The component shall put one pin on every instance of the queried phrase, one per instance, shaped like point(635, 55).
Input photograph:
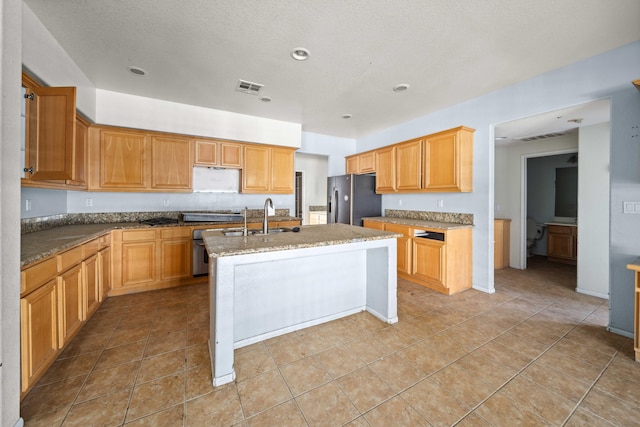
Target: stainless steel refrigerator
point(351, 198)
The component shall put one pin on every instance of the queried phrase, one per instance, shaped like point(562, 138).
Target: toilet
point(534, 233)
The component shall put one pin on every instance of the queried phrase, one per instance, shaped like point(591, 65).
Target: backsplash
point(30, 225)
point(455, 218)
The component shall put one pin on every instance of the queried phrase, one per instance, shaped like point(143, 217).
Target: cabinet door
point(373, 224)
point(171, 162)
point(51, 129)
point(256, 172)
point(123, 157)
point(38, 332)
point(138, 263)
point(367, 162)
point(91, 288)
point(281, 171)
point(80, 156)
point(428, 261)
point(561, 245)
point(409, 165)
point(104, 272)
point(404, 247)
point(70, 304)
point(175, 261)
point(385, 170)
point(441, 168)
point(206, 153)
point(230, 154)
point(353, 164)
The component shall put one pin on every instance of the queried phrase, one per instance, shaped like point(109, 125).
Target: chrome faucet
point(245, 232)
point(265, 223)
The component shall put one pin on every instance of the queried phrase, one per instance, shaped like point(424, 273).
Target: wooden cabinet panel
point(38, 333)
point(448, 161)
point(230, 155)
point(562, 243)
point(104, 272)
point(80, 155)
point(255, 171)
point(206, 153)
point(123, 160)
point(409, 165)
point(138, 263)
point(281, 171)
point(209, 152)
point(175, 259)
point(51, 131)
point(91, 287)
point(385, 170)
point(501, 237)
point(373, 224)
point(37, 275)
point(70, 304)
point(353, 164)
point(405, 246)
point(428, 261)
point(367, 163)
point(171, 162)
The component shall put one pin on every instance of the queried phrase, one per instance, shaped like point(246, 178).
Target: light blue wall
point(606, 75)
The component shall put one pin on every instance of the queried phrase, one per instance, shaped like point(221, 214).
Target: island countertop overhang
point(219, 245)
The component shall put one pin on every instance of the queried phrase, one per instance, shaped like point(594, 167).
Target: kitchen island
point(262, 286)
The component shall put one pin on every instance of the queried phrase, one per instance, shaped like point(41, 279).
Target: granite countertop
point(42, 244)
point(219, 245)
point(420, 223)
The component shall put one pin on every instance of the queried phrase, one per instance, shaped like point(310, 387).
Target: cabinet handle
point(29, 96)
point(29, 169)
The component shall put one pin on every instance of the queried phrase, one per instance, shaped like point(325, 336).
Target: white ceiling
point(448, 51)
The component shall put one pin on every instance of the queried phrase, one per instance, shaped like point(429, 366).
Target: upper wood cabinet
point(361, 163)
point(409, 165)
point(448, 161)
point(267, 170)
point(386, 170)
point(119, 158)
point(220, 153)
point(171, 162)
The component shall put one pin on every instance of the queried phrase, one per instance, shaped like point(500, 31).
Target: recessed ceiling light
point(300, 54)
point(137, 71)
point(346, 116)
point(265, 98)
point(401, 87)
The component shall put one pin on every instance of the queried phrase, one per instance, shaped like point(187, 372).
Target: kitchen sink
point(253, 232)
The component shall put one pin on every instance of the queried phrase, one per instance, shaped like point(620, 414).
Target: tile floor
point(534, 353)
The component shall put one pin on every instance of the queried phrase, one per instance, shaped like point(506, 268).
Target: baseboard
point(593, 294)
point(620, 332)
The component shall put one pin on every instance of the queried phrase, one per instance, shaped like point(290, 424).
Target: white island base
point(256, 296)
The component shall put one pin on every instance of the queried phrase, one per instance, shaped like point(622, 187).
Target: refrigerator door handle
point(335, 205)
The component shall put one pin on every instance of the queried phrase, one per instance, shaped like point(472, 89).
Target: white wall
point(314, 176)
point(10, 67)
point(334, 147)
point(119, 109)
point(593, 210)
point(508, 195)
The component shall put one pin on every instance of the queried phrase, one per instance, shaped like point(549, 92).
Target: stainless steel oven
point(200, 255)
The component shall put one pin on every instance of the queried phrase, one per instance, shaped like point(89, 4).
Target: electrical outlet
point(400, 202)
point(165, 202)
point(631, 207)
point(27, 205)
point(88, 202)
point(440, 203)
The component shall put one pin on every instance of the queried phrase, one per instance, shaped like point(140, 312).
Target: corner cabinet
point(267, 170)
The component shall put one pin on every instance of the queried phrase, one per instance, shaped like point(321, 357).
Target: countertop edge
point(420, 223)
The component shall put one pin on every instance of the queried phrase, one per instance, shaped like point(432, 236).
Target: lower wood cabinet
point(562, 243)
point(38, 333)
point(443, 265)
point(90, 271)
point(70, 304)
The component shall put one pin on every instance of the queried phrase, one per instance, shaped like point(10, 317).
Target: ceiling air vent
point(248, 87)
point(543, 136)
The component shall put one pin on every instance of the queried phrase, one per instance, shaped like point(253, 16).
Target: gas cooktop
point(159, 221)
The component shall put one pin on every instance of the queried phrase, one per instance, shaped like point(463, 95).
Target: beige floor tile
point(85, 344)
point(198, 356)
point(288, 349)
point(339, 361)
point(70, 367)
point(557, 381)
point(304, 375)
point(584, 418)
point(465, 386)
point(393, 338)
point(156, 395)
point(166, 342)
point(584, 351)
point(128, 336)
point(286, 414)
point(50, 397)
point(367, 349)
point(161, 365)
point(335, 409)
point(530, 348)
point(611, 409)
point(170, 417)
point(365, 389)
point(248, 364)
point(197, 335)
point(109, 380)
point(219, 408)
point(473, 420)
point(199, 382)
point(434, 404)
point(318, 341)
point(119, 355)
point(262, 392)
point(108, 410)
point(46, 419)
point(547, 404)
point(426, 358)
point(500, 410)
point(569, 365)
point(397, 372)
point(394, 412)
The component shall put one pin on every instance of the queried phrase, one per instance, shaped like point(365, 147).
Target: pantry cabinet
point(267, 170)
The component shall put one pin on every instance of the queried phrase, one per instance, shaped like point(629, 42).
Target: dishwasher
point(431, 235)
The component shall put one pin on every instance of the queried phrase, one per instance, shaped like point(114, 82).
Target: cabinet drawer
point(397, 228)
point(133, 235)
point(168, 233)
point(38, 275)
point(91, 247)
point(560, 229)
point(70, 258)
